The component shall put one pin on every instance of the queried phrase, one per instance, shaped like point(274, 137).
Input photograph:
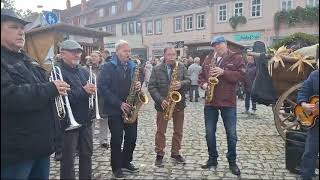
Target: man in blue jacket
point(310, 88)
point(114, 86)
point(28, 123)
point(81, 90)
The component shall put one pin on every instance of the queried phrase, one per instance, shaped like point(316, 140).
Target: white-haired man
point(194, 70)
point(114, 86)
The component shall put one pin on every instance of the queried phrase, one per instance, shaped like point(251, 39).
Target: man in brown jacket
point(158, 87)
point(229, 70)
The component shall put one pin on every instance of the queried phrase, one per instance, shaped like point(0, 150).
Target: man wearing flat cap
point(81, 138)
point(228, 67)
point(28, 123)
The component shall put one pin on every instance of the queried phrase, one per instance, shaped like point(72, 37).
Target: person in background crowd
point(147, 70)
point(95, 61)
point(160, 82)
point(194, 71)
point(310, 88)
point(114, 85)
point(249, 78)
point(80, 138)
point(106, 56)
point(29, 123)
point(229, 70)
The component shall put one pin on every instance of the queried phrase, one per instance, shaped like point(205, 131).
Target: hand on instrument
point(309, 108)
point(176, 85)
point(125, 107)
point(216, 71)
point(138, 85)
point(164, 104)
point(90, 89)
point(205, 86)
point(62, 87)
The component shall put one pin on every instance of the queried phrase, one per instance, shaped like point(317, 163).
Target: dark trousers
point(121, 157)
point(194, 88)
point(80, 139)
point(33, 169)
point(229, 117)
point(247, 102)
point(310, 155)
point(160, 139)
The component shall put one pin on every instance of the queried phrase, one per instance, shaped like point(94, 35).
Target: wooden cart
point(40, 40)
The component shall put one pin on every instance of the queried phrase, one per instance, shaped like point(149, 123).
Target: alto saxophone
point(173, 96)
point(135, 98)
point(212, 81)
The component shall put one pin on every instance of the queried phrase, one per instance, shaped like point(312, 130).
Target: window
point(222, 10)
point(111, 28)
point(158, 26)
point(256, 8)
point(286, 5)
point(138, 27)
point(312, 3)
point(113, 10)
point(124, 29)
point(188, 21)
point(238, 9)
point(101, 12)
point(200, 21)
point(149, 27)
point(131, 27)
point(177, 24)
point(129, 5)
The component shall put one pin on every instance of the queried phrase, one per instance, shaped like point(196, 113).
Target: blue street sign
point(51, 18)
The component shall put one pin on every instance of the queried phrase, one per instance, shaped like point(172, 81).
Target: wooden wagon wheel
point(283, 112)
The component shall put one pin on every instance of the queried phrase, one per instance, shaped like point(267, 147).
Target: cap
point(10, 15)
point(217, 39)
point(70, 45)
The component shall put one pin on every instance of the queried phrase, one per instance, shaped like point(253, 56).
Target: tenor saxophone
point(135, 99)
point(212, 81)
point(173, 96)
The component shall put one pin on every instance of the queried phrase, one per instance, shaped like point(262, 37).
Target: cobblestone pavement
point(261, 151)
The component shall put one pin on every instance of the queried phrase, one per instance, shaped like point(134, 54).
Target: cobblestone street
point(261, 151)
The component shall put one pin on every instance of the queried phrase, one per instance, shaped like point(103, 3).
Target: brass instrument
point(212, 81)
point(62, 102)
point(173, 96)
point(93, 99)
point(135, 98)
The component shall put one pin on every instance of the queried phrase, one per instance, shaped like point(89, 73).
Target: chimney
point(68, 4)
point(83, 5)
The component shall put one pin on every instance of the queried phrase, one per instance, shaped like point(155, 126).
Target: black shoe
point(130, 168)
point(57, 156)
point(234, 168)
point(118, 174)
point(158, 161)
point(209, 164)
point(190, 100)
point(178, 158)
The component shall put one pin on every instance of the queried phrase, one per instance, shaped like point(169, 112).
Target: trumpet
point(93, 99)
point(62, 102)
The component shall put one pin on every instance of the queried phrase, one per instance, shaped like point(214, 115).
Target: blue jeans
point(310, 155)
point(229, 117)
point(33, 169)
point(247, 102)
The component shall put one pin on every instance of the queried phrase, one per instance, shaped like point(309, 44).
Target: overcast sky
point(47, 4)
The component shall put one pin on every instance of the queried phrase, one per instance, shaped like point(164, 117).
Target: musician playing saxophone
point(169, 77)
point(114, 86)
point(80, 138)
point(228, 69)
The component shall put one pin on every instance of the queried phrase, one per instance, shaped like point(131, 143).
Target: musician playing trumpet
point(80, 138)
point(221, 72)
point(168, 83)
